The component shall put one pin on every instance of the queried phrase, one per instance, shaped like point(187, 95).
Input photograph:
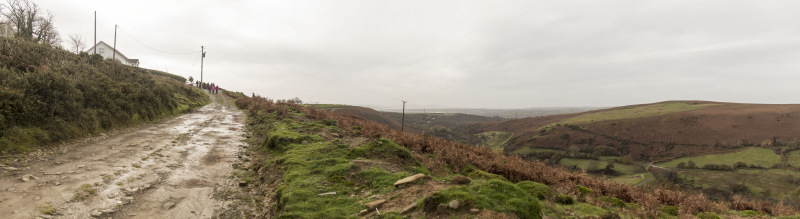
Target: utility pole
point(403, 123)
point(95, 33)
point(114, 56)
point(202, 56)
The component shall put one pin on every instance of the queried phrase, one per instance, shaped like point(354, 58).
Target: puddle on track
point(166, 170)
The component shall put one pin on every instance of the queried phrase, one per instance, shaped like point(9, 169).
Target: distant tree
point(739, 164)
point(626, 159)
point(191, 79)
point(593, 165)
point(77, 42)
point(573, 151)
point(30, 22)
point(691, 165)
point(609, 166)
point(296, 100)
point(681, 165)
point(565, 136)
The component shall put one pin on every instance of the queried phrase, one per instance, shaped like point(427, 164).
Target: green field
point(772, 183)
point(632, 179)
point(794, 159)
point(637, 112)
point(626, 170)
point(529, 150)
point(496, 140)
point(759, 156)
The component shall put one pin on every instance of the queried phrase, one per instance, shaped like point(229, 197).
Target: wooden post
point(114, 56)
point(95, 32)
point(403, 123)
point(202, 56)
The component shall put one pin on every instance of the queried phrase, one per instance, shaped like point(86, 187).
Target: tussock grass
point(84, 192)
point(496, 195)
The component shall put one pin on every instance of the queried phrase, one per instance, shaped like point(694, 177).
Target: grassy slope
point(282, 129)
point(630, 113)
point(758, 156)
point(496, 140)
point(49, 95)
point(658, 131)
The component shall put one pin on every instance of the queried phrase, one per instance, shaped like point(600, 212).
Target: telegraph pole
point(114, 56)
point(202, 56)
point(403, 123)
point(95, 33)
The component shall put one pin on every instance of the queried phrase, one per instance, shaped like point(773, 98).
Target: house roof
point(112, 48)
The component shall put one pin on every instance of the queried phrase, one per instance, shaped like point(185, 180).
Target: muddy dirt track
point(174, 169)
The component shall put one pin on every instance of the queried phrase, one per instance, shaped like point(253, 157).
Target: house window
point(100, 51)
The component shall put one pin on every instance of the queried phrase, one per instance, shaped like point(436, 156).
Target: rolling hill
point(658, 131)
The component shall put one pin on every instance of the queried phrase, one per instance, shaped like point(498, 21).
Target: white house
point(6, 30)
point(107, 52)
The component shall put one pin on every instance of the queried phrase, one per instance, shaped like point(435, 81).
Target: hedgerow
point(50, 95)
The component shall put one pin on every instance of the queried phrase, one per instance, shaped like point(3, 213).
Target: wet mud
point(172, 169)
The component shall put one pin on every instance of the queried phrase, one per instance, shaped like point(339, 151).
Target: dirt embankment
point(179, 168)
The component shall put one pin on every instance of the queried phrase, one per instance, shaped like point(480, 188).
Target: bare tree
point(77, 42)
point(30, 23)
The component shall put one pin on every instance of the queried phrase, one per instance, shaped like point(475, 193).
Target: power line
point(140, 43)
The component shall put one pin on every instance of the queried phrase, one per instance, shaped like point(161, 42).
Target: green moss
point(708, 215)
point(669, 209)
point(538, 190)
point(746, 213)
point(495, 195)
point(475, 173)
point(564, 199)
point(391, 215)
point(583, 190)
point(377, 178)
point(613, 201)
point(588, 210)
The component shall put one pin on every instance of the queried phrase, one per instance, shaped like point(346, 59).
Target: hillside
point(415, 122)
point(49, 95)
point(332, 165)
point(658, 131)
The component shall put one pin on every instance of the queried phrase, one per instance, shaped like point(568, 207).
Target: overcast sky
point(474, 54)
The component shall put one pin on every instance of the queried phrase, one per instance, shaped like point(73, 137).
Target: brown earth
point(711, 129)
point(174, 169)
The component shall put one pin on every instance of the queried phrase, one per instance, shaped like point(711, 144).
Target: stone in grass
point(461, 180)
point(375, 204)
point(96, 213)
point(474, 211)
point(409, 179)
point(242, 183)
point(453, 204)
point(28, 178)
point(363, 212)
point(327, 194)
point(409, 208)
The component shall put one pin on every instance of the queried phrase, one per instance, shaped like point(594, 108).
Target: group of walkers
point(211, 87)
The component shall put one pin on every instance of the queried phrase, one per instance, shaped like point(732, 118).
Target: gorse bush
point(49, 95)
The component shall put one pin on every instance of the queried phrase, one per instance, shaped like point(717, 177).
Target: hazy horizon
point(461, 54)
